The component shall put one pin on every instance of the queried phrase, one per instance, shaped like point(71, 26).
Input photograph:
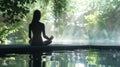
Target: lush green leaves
point(59, 7)
point(5, 31)
point(14, 11)
point(98, 13)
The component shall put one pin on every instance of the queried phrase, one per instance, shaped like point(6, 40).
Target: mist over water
point(82, 25)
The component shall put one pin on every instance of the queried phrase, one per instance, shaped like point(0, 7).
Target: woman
point(37, 28)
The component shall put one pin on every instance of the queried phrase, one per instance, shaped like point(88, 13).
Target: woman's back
point(36, 29)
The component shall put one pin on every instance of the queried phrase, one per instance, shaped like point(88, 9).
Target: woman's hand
point(51, 38)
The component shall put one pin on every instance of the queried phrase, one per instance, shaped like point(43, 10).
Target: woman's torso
point(37, 29)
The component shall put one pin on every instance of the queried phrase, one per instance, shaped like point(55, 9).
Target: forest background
point(66, 19)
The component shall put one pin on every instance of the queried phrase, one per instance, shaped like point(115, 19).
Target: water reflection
point(85, 58)
point(76, 58)
point(14, 61)
point(67, 59)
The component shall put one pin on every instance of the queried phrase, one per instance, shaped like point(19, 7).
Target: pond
point(76, 58)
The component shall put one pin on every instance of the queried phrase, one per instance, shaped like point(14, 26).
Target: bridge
point(37, 51)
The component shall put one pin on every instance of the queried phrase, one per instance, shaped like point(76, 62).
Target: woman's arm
point(29, 32)
point(44, 34)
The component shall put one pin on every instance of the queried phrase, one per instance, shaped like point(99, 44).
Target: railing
point(37, 51)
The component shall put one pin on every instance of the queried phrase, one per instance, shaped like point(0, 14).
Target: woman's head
point(36, 15)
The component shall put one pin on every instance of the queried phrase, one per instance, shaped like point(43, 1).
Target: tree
point(102, 18)
point(13, 12)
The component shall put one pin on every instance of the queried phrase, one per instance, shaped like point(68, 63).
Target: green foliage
point(99, 13)
point(14, 10)
point(102, 18)
point(93, 18)
point(5, 31)
point(59, 11)
point(59, 7)
point(44, 2)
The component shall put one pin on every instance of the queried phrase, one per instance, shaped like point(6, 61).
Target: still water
point(76, 58)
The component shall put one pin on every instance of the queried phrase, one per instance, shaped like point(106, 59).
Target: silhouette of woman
point(36, 29)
